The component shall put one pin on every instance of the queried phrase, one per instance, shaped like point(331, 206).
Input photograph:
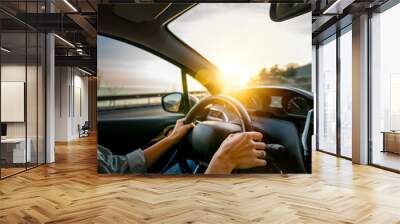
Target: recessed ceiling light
point(337, 7)
point(70, 5)
point(84, 71)
point(5, 50)
point(65, 41)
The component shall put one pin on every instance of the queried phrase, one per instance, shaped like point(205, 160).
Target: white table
point(19, 155)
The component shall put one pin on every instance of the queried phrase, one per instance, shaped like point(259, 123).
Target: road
point(132, 112)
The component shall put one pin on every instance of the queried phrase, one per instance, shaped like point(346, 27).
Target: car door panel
point(122, 136)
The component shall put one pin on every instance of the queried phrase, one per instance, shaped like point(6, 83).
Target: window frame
point(334, 37)
point(379, 10)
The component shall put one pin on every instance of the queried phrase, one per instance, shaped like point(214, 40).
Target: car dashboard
point(275, 102)
point(282, 115)
point(279, 102)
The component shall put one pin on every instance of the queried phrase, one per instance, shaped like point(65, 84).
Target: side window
point(129, 77)
point(195, 88)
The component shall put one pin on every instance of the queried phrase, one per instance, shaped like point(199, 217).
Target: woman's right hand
point(238, 151)
point(180, 130)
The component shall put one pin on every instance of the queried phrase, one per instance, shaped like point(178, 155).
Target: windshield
point(247, 46)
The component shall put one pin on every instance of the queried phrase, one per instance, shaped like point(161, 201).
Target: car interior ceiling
point(172, 48)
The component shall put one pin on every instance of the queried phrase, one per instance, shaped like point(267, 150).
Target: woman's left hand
point(180, 130)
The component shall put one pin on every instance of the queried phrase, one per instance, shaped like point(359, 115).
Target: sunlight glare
point(236, 76)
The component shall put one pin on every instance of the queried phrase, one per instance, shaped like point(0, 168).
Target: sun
point(236, 75)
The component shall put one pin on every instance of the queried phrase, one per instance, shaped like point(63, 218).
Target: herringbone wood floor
point(70, 191)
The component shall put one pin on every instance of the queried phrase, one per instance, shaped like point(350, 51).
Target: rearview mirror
point(283, 11)
point(172, 102)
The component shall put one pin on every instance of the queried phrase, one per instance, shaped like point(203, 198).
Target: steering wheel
point(206, 137)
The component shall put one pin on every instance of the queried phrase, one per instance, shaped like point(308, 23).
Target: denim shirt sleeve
point(136, 161)
point(131, 163)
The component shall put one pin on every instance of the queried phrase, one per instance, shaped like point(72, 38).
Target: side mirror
point(283, 11)
point(172, 102)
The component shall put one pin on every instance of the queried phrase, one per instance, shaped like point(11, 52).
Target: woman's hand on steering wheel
point(180, 130)
point(238, 151)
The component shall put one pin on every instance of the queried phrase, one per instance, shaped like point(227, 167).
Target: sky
point(239, 38)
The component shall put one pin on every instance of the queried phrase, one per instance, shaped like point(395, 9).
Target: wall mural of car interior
point(206, 88)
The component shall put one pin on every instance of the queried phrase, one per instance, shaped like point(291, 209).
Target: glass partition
point(14, 153)
point(22, 77)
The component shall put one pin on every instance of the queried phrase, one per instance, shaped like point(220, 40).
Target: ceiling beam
point(85, 25)
point(77, 61)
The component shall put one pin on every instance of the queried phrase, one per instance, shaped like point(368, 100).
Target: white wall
point(13, 73)
point(33, 126)
point(70, 83)
point(80, 105)
point(62, 82)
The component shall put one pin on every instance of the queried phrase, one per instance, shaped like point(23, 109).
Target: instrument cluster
point(280, 101)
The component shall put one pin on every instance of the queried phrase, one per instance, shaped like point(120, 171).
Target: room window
point(327, 96)
point(346, 93)
point(385, 89)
